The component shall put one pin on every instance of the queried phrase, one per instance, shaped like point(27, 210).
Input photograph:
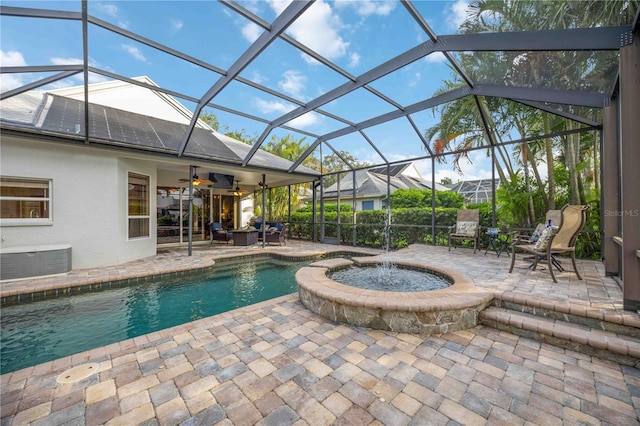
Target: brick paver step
point(625, 323)
point(604, 344)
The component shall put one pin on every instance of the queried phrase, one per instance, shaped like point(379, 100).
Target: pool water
point(389, 278)
point(32, 333)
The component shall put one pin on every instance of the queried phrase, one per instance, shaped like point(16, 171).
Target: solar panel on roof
point(112, 125)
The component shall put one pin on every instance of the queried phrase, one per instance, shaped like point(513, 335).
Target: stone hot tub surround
point(427, 312)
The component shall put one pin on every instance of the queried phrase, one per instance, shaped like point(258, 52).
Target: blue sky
point(355, 35)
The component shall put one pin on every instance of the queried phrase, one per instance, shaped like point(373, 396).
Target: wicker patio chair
point(218, 233)
point(278, 235)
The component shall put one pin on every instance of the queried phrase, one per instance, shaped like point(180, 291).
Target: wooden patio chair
point(555, 240)
point(467, 228)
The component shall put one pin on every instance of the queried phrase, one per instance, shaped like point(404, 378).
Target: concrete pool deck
point(277, 363)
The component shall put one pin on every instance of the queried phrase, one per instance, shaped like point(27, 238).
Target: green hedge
point(412, 225)
point(409, 226)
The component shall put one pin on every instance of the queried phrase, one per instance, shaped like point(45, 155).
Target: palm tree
point(565, 70)
point(291, 149)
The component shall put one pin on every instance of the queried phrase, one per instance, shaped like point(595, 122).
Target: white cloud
point(77, 78)
point(293, 83)
point(318, 28)
point(12, 58)
point(281, 108)
point(279, 6)
point(93, 77)
point(354, 59)
point(268, 107)
point(435, 58)
point(457, 13)
point(253, 6)
point(10, 81)
point(66, 61)
point(15, 59)
point(256, 77)
point(107, 9)
point(176, 24)
point(305, 120)
point(134, 52)
point(369, 7)
point(415, 79)
point(97, 78)
point(251, 32)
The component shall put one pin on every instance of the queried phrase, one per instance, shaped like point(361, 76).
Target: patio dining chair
point(467, 228)
point(555, 240)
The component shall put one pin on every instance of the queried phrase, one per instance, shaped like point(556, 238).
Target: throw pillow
point(538, 232)
point(545, 237)
point(466, 228)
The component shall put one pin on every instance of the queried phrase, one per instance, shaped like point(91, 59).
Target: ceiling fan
point(196, 180)
point(237, 191)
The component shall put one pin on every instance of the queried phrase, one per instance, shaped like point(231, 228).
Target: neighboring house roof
point(372, 183)
point(476, 191)
point(52, 114)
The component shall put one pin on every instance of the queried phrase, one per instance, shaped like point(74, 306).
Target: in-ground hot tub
point(422, 312)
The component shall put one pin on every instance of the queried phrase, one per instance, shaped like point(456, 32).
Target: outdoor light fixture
point(195, 180)
point(237, 191)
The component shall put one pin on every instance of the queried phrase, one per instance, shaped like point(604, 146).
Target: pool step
point(570, 332)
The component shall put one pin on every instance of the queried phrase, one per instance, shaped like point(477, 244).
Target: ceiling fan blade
point(200, 181)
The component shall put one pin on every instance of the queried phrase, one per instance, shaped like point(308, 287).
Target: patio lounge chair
point(218, 233)
point(277, 235)
point(555, 240)
point(467, 228)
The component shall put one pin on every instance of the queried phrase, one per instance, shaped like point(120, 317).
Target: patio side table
point(498, 241)
point(242, 237)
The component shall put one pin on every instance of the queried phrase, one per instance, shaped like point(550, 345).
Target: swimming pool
point(32, 333)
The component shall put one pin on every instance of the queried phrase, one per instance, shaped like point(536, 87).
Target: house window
point(367, 205)
point(138, 203)
point(25, 201)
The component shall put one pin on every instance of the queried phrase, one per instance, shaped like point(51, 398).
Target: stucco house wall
point(88, 201)
point(89, 182)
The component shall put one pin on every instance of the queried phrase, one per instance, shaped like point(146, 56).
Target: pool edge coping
point(48, 290)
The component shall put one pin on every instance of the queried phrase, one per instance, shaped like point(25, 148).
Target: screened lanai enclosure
point(360, 122)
